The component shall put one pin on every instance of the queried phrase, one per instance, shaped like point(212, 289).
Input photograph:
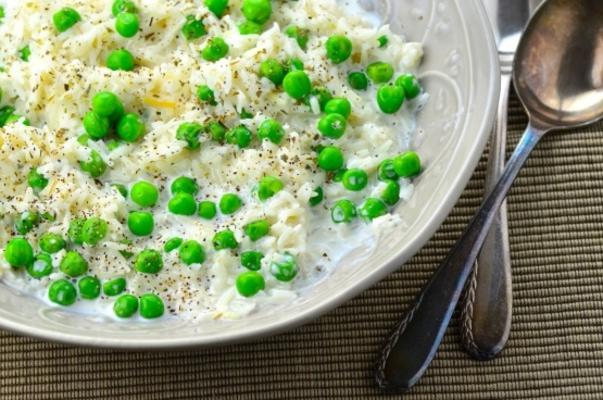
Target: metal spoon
point(558, 75)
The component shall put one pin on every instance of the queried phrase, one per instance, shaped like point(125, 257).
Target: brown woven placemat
point(555, 350)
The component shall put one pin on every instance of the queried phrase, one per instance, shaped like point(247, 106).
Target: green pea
point(107, 105)
point(51, 243)
point(382, 41)
point(299, 34)
point(65, 18)
point(244, 114)
point(126, 254)
point(358, 80)
point(332, 126)
point(74, 232)
point(407, 165)
point(94, 230)
point(172, 244)
point(257, 229)
point(73, 264)
point(317, 198)
point(322, 95)
point(130, 128)
point(391, 193)
point(144, 193)
point(218, 7)
point(48, 216)
point(250, 28)
point(330, 158)
point(27, 221)
point(206, 95)
point(89, 287)
point(250, 283)
point(387, 171)
point(230, 203)
point(268, 187)
point(294, 64)
point(339, 105)
point(184, 184)
point(380, 72)
point(83, 139)
point(272, 130)
point(41, 267)
point(225, 240)
point(96, 127)
point(372, 209)
point(207, 210)
point(297, 84)
point(5, 113)
point(190, 132)
point(193, 28)
point(355, 180)
point(114, 287)
point(182, 204)
point(62, 292)
point(17, 118)
point(390, 98)
point(95, 166)
point(191, 252)
point(120, 6)
point(36, 180)
point(120, 60)
point(141, 223)
point(216, 131)
point(410, 84)
point(18, 253)
point(127, 24)
point(252, 260)
point(25, 53)
point(285, 269)
point(1, 13)
point(339, 48)
point(151, 306)
point(240, 136)
point(258, 11)
point(273, 70)
point(125, 306)
point(344, 211)
point(148, 261)
point(122, 189)
point(215, 50)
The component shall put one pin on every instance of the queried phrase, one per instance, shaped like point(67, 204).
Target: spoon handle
point(487, 302)
point(413, 343)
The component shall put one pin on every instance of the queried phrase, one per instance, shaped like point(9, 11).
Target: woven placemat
point(555, 350)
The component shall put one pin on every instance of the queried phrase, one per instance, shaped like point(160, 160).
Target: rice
point(54, 89)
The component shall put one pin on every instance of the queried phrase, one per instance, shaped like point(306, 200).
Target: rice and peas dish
point(198, 159)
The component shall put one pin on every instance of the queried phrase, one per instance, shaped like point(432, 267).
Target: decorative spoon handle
point(413, 343)
point(487, 305)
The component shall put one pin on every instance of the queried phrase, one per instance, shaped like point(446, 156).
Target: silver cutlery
point(488, 301)
point(558, 76)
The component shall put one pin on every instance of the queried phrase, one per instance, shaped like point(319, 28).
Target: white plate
point(461, 74)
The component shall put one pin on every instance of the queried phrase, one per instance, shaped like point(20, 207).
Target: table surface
point(555, 349)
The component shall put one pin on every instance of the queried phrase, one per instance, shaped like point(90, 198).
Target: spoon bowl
point(558, 71)
point(558, 75)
